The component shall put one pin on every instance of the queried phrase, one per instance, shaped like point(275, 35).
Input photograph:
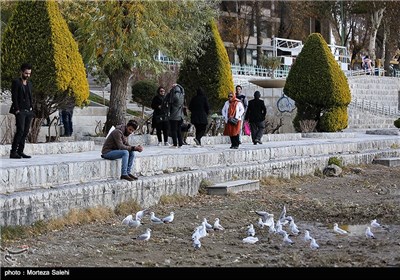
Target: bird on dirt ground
point(339, 230)
point(208, 225)
point(196, 243)
point(250, 240)
point(368, 233)
point(307, 236)
point(140, 214)
point(217, 225)
point(145, 236)
point(169, 218)
point(129, 221)
point(154, 219)
point(375, 224)
point(250, 230)
point(287, 240)
point(313, 244)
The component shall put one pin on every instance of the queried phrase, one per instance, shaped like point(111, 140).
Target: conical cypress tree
point(318, 86)
point(211, 70)
point(38, 34)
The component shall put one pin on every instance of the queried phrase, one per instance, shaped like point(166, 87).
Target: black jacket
point(199, 109)
point(256, 111)
point(21, 98)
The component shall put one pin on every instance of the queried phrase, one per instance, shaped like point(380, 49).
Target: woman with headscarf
point(233, 110)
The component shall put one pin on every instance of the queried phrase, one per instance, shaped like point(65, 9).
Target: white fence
point(374, 107)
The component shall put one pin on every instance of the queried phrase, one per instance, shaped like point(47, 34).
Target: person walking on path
point(245, 103)
point(199, 109)
point(232, 112)
point(160, 117)
point(116, 146)
point(255, 115)
point(22, 108)
point(176, 100)
point(66, 117)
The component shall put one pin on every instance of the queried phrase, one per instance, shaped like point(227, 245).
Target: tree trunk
point(376, 19)
point(117, 108)
point(36, 125)
point(259, 37)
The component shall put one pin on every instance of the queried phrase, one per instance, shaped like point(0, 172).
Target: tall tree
point(119, 36)
point(58, 72)
point(210, 70)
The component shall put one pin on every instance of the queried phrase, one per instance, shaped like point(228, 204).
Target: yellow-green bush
point(335, 119)
point(212, 71)
point(37, 33)
point(316, 81)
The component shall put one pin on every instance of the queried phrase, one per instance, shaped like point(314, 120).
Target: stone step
point(233, 187)
point(47, 171)
point(27, 207)
point(390, 162)
point(51, 148)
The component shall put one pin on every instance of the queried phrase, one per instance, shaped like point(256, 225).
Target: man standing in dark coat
point(255, 115)
point(22, 108)
point(199, 109)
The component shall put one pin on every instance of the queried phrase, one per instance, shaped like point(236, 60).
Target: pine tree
point(319, 87)
point(38, 34)
point(211, 70)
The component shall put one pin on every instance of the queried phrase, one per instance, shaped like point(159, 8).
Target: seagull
point(217, 225)
point(375, 224)
point(264, 215)
point(293, 228)
point(338, 230)
point(169, 218)
point(154, 219)
point(196, 234)
point(145, 236)
point(140, 214)
point(208, 226)
point(250, 230)
point(286, 239)
point(203, 230)
point(129, 221)
point(282, 216)
point(307, 236)
point(313, 244)
point(368, 233)
point(250, 240)
point(196, 243)
point(260, 223)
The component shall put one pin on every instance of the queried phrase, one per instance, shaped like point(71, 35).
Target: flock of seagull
point(265, 220)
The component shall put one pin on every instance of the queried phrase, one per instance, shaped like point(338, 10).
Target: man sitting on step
point(116, 146)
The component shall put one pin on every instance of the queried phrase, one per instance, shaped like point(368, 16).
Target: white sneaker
point(159, 144)
point(165, 144)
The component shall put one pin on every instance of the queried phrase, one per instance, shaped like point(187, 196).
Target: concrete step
point(51, 148)
point(27, 207)
point(390, 162)
point(233, 187)
point(46, 171)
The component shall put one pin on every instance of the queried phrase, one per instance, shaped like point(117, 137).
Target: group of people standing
point(169, 114)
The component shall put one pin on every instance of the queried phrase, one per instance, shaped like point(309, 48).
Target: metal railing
point(374, 107)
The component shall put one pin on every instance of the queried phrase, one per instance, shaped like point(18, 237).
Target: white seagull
point(217, 225)
point(250, 240)
point(140, 214)
point(145, 236)
point(169, 218)
point(154, 219)
point(208, 226)
point(375, 224)
point(339, 230)
point(196, 243)
point(250, 230)
point(129, 221)
point(368, 233)
point(313, 244)
point(286, 239)
point(307, 236)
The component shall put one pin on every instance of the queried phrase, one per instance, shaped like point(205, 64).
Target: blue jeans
point(127, 159)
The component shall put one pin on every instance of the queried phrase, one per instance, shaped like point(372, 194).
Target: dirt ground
point(362, 194)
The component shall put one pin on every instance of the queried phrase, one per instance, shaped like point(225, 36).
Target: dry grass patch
point(127, 208)
point(175, 199)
